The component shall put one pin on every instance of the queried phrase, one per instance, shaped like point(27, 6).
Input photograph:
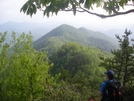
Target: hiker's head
point(109, 74)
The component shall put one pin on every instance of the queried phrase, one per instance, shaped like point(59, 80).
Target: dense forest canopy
point(112, 7)
point(73, 72)
point(26, 74)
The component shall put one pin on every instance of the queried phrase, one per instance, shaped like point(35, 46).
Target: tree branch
point(102, 15)
point(80, 9)
point(106, 16)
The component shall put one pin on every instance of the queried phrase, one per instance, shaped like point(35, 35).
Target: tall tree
point(112, 7)
point(23, 70)
point(122, 61)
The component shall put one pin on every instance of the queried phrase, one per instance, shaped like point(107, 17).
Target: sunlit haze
point(10, 11)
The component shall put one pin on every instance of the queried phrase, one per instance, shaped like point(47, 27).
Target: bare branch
point(129, 5)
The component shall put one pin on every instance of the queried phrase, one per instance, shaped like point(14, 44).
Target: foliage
point(24, 74)
point(79, 63)
point(70, 92)
point(128, 93)
point(112, 7)
point(122, 60)
point(23, 71)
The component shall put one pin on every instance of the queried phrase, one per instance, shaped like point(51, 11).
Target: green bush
point(128, 93)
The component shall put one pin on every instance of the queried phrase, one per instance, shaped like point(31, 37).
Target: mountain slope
point(100, 40)
point(66, 33)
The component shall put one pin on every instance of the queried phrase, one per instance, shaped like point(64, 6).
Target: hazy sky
point(10, 11)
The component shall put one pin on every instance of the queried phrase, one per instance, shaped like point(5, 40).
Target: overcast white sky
point(10, 11)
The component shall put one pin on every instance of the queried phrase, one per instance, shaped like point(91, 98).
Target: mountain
point(37, 29)
point(54, 36)
point(66, 33)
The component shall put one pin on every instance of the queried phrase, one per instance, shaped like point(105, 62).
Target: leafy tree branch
point(112, 7)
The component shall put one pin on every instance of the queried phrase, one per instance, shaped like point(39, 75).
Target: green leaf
point(87, 4)
point(44, 2)
point(28, 11)
point(81, 1)
point(34, 9)
point(74, 9)
point(24, 7)
point(56, 11)
point(47, 13)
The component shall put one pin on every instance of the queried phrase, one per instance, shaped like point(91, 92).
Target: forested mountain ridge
point(99, 39)
point(66, 33)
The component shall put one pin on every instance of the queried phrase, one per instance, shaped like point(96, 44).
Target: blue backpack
point(112, 91)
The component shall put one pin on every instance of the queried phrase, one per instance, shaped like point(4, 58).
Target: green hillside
point(66, 33)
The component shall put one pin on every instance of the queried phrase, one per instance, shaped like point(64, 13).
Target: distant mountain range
point(37, 29)
point(119, 31)
point(66, 33)
point(50, 35)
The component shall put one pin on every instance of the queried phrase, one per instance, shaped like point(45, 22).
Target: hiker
point(109, 78)
point(110, 89)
